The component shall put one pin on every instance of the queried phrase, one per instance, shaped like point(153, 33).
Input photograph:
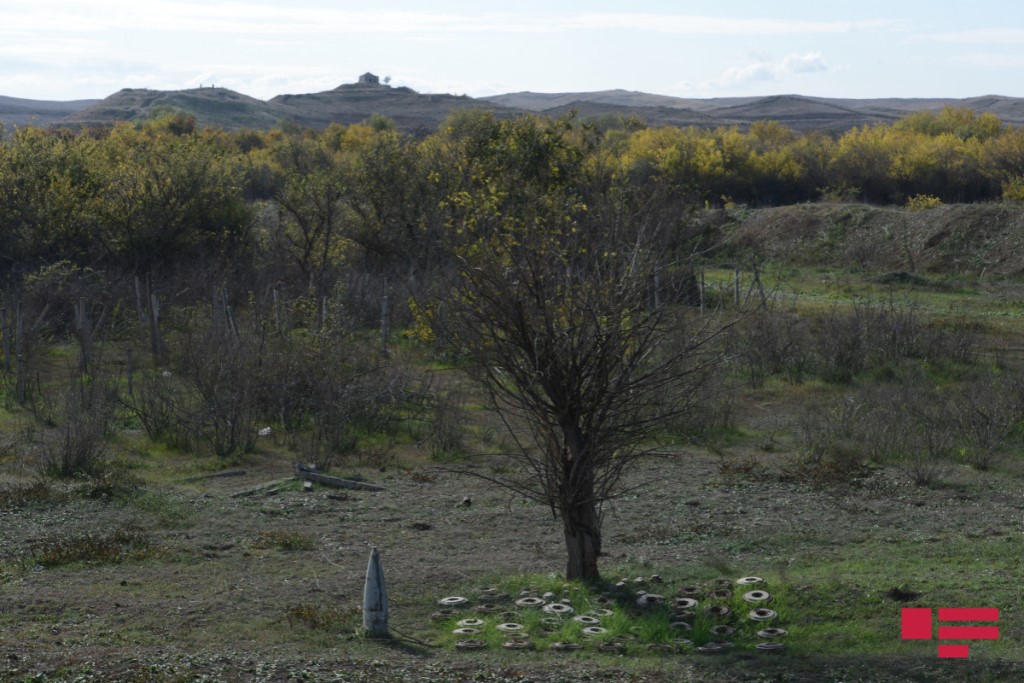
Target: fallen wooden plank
point(303, 472)
point(217, 475)
point(261, 487)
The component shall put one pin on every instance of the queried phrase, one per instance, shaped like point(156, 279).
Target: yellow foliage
point(923, 202)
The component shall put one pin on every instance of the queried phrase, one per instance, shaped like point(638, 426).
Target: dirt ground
point(212, 599)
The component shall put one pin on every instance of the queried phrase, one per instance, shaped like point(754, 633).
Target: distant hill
point(413, 111)
point(352, 103)
point(19, 112)
point(211, 106)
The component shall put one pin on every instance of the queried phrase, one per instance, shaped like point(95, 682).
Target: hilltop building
point(369, 79)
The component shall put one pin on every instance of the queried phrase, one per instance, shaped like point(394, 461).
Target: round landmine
point(551, 621)
point(559, 608)
point(442, 615)
point(685, 603)
point(709, 648)
point(488, 608)
point(466, 631)
point(565, 647)
point(601, 612)
point(510, 627)
point(508, 616)
point(723, 583)
point(722, 631)
point(688, 592)
point(757, 596)
point(762, 614)
point(682, 643)
point(530, 601)
point(680, 626)
point(523, 644)
point(587, 619)
point(660, 647)
point(649, 600)
point(613, 646)
point(770, 647)
point(453, 601)
point(603, 600)
point(718, 611)
point(721, 594)
point(683, 615)
point(470, 623)
point(749, 580)
point(772, 632)
point(591, 631)
point(470, 644)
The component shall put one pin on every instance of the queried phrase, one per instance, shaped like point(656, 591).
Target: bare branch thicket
point(83, 413)
point(773, 341)
point(319, 389)
point(988, 413)
point(843, 342)
point(829, 450)
point(933, 433)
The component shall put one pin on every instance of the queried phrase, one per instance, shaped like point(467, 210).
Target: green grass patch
point(125, 544)
point(288, 541)
point(610, 617)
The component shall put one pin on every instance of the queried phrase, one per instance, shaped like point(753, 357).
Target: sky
point(83, 49)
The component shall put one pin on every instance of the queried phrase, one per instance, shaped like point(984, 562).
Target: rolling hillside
point(413, 111)
point(19, 112)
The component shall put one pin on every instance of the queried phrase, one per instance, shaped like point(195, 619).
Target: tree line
point(303, 204)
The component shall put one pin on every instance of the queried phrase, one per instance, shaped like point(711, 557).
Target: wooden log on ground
point(303, 472)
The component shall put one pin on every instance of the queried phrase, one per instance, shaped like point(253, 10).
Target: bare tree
point(559, 324)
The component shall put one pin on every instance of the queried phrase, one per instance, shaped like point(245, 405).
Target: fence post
point(5, 331)
point(384, 326)
point(19, 352)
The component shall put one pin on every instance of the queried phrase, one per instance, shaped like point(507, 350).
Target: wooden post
point(83, 326)
point(219, 315)
point(277, 313)
point(384, 326)
point(19, 352)
point(702, 291)
point(375, 599)
point(131, 377)
point(154, 328)
point(5, 331)
point(231, 322)
point(139, 307)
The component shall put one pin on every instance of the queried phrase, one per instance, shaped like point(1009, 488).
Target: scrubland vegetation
point(612, 322)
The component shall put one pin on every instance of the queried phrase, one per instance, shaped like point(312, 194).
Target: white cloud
point(741, 78)
point(772, 70)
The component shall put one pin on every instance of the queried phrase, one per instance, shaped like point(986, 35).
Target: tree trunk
point(582, 528)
